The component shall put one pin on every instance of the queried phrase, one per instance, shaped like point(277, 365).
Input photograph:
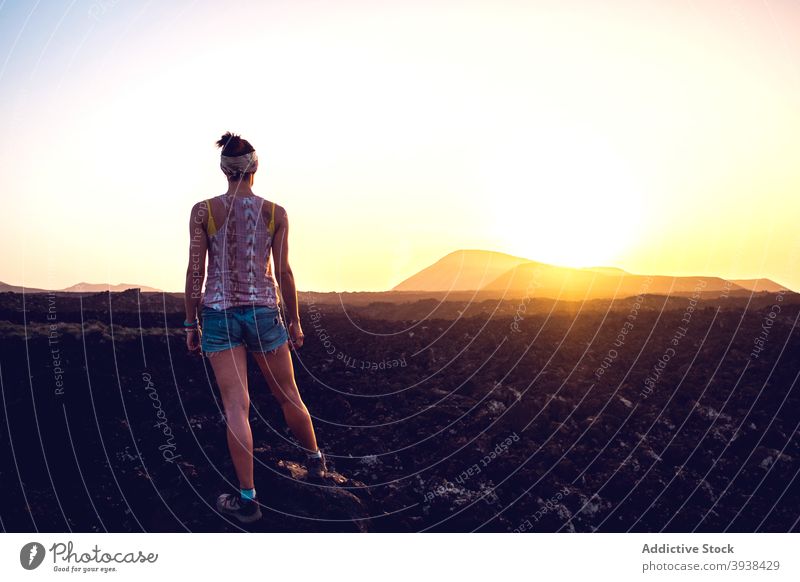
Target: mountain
point(759, 285)
point(79, 288)
point(97, 287)
point(501, 274)
point(6, 287)
point(534, 279)
point(464, 270)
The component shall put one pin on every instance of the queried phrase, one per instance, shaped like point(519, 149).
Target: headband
point(235, 165)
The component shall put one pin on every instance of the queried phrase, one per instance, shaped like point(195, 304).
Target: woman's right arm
point(196, 269)
point(285, 277)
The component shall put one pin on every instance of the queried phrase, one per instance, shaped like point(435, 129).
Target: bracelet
point(190, 323)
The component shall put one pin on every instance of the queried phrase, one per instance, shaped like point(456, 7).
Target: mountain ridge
point(514, 276)
point(81, 287)
point(493, 272)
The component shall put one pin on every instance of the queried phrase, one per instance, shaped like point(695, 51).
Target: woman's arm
point(285, 277)
point(196, 271)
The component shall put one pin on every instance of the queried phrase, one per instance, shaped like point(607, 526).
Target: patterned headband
point(235, 165)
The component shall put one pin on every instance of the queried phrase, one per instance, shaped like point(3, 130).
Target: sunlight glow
point(654, 137)
point(562, 197)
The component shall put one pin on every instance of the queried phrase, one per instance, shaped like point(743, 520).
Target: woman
point(239, 312)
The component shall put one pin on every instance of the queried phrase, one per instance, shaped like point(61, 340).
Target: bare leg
point(230, 370)
point(279, 372)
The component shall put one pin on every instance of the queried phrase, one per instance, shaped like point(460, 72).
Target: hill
point(575, 284)
point(497, 274)
point(98, 287)
point(78, 288)
point(759, 285)
point(7, 287)
point(464, 270)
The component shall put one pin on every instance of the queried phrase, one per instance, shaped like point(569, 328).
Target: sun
point(563, 197)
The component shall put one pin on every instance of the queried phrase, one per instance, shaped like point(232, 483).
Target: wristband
point(190, 323)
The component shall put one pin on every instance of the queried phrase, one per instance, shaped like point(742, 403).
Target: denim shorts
point(258, 327)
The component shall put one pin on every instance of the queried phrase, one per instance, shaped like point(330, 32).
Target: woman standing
point(239, 312)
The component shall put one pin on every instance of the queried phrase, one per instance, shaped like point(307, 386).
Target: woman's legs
point(279, 372)
point(230, 370)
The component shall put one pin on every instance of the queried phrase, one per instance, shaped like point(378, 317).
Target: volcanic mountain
point(98, 287)
point(464, 270)
point(510, 276)
point(78, 288)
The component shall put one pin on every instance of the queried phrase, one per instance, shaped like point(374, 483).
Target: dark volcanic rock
point(442, 422)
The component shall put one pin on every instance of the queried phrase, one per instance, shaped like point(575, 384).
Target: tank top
point(239, 271)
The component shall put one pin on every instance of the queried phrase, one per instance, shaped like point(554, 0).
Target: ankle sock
point(317, 455)
point(247, 494)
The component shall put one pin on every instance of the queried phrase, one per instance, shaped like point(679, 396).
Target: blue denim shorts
point(259, 327)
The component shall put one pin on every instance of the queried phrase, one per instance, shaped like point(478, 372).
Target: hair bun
point(228, 139)
point(233, 144)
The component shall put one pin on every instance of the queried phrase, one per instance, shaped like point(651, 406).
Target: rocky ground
point(528, 415)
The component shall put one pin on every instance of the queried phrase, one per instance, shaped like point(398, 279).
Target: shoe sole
point(242, 518)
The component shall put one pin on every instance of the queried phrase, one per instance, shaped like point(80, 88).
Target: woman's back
point(239, 248)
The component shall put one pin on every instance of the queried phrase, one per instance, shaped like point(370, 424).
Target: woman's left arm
point(196, 271)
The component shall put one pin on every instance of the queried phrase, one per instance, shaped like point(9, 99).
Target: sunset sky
point(659, 137)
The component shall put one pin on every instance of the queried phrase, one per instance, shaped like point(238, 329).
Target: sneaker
point(316, 466)
point(232, 504)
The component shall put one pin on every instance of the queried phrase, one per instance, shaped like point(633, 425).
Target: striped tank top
point(239, 270)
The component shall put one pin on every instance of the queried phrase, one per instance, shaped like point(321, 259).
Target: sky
point(661, 137)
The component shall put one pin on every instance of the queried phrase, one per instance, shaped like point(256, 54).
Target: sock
point(247, 494)
point(317, 455)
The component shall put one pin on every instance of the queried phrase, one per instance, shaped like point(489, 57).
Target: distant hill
point(758, 285)
point(462, 273)
point(464, 270)
point(574, 284)
point(515, 276)
point(97, 287)
point(79, 288)
point(6, 287)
